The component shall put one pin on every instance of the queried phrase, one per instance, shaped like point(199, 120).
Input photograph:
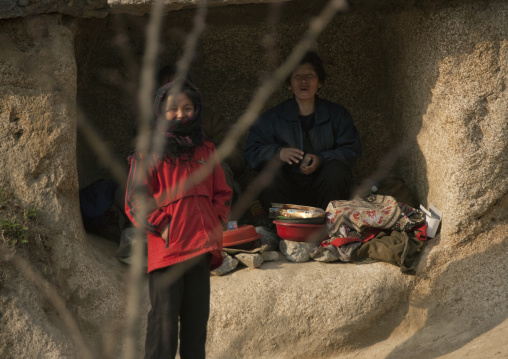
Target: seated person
point(215, 128)
point(305, 125)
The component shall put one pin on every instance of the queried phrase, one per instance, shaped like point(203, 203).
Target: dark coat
point(334, 136)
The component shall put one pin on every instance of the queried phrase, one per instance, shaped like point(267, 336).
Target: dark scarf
point(183, 136)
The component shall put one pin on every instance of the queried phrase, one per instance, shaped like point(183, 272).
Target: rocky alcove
point(430, 75)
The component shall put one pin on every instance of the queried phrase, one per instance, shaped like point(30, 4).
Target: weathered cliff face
point(38, 114)
point(430, 75)
point(37, 157)
point(36, 148)
point(448, 75)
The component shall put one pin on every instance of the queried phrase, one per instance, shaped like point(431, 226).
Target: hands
point(291, 155)
point(313, 165)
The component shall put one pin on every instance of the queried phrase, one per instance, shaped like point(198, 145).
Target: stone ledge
point(301, 309)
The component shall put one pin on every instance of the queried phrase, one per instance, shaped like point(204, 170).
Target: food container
point(301, 232)
point(280, 210)
point(243, 237)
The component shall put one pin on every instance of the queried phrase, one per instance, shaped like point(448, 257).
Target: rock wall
point(431, 75)
point(231, 59)
point(37, 157)
point(38, 115)
point(448, 79)
point(431, 78)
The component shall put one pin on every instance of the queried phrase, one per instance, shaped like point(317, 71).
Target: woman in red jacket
point(183, 224)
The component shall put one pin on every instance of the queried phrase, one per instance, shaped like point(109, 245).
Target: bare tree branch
point(316, 26)
point(146, 143)
point(143, 146)
point(182, 69)
point(134, 284)
point(266, 89)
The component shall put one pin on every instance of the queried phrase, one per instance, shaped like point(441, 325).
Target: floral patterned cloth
point(358, 217)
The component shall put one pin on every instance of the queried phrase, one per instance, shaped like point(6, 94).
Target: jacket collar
point(291, 111)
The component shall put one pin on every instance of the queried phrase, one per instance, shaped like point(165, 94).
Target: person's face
point(179, 109)
point(304, 82)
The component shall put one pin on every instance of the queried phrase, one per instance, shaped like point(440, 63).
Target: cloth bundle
point(376, 228)
point(375, 211)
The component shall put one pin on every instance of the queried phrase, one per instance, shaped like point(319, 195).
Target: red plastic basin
point(243, 234)
point(301, 232)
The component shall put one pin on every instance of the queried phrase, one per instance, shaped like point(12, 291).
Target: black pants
point(332, 181)
point(179, 291)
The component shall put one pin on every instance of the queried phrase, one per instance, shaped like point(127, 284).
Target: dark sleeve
point(262, 144)
point(140, 188)
point(347, 147)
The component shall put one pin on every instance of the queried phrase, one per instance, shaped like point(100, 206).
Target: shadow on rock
point(466, 300)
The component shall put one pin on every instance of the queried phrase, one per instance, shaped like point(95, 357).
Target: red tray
point(243, 234)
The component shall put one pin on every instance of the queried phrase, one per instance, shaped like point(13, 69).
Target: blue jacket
point(334, 136)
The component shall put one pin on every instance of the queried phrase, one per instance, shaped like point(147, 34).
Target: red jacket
point(195, 215)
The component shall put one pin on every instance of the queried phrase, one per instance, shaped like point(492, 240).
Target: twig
point(143, 145)
point(134, 284)
point(262, 94)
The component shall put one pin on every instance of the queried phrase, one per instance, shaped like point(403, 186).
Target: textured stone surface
point(431, 73)
point(299, 310)
point(142, 7)
point(460, 293)
point(250, 260)
point(37, 157)
point(27, 331)
point(327, 254)
point(229, 265)
point(24, 8)
point(448, 78)
point(296, 251)
point(270, 256)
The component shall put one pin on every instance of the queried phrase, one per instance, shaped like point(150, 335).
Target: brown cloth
point(398, 248)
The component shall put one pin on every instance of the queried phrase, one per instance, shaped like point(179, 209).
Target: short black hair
point(311, 57)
